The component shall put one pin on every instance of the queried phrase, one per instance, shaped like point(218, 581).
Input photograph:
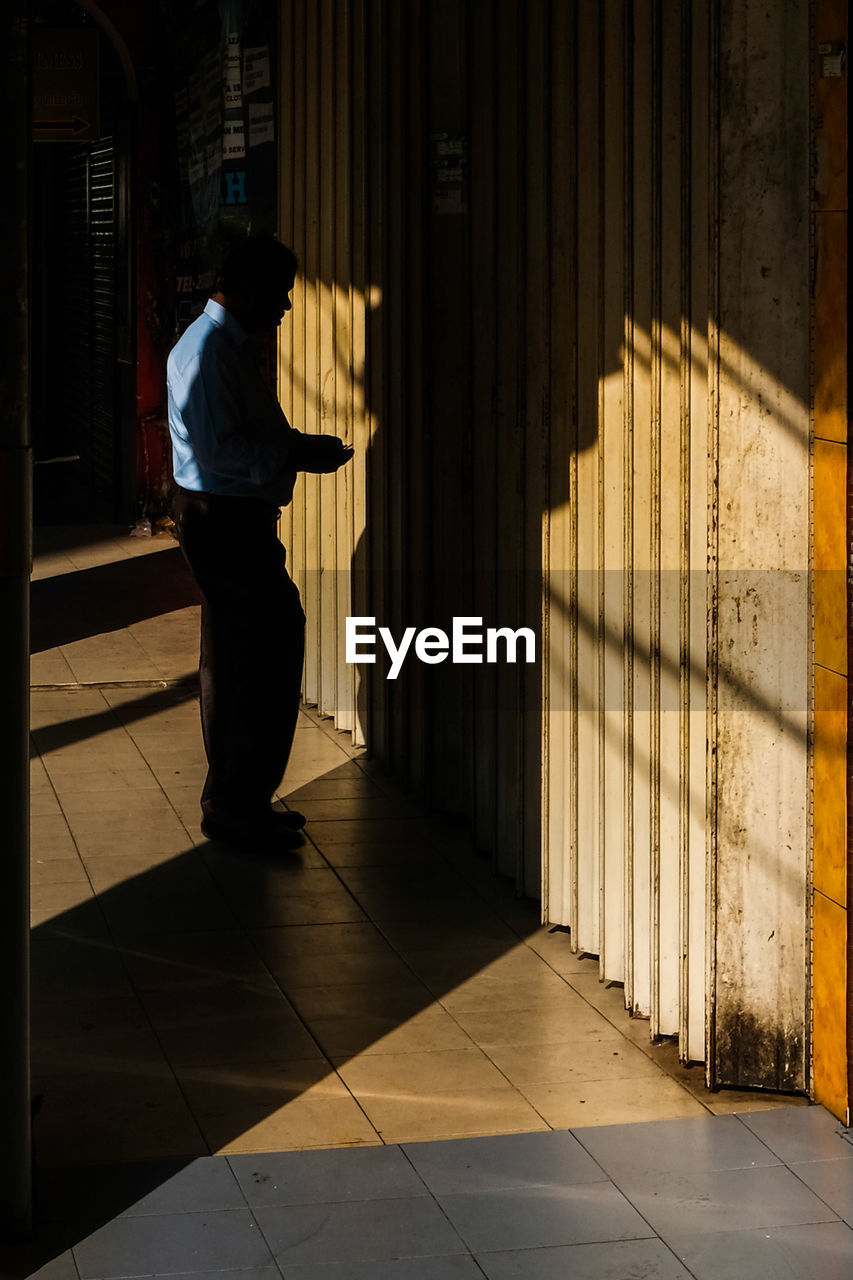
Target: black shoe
point(292, 819)
point(267, 831)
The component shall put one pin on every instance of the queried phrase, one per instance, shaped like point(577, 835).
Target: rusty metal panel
point(762, 553)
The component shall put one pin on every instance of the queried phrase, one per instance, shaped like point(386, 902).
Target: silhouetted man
point(235, 463)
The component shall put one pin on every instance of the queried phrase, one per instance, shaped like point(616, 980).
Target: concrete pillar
point(15, 560)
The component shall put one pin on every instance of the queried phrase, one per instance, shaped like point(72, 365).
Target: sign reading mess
point(65, 84)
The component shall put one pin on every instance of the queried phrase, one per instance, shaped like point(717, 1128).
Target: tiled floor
point(377, 989)
point(762, 1195)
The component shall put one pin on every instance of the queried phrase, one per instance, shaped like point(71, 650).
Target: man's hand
point(321, 454)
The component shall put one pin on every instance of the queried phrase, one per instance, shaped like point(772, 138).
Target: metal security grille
point(84, 329)
point(73, 298)
point(102, 244)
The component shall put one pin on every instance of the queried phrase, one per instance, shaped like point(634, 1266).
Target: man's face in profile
point(269, 302)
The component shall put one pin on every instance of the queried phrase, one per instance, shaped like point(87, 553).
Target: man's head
point(255, 280)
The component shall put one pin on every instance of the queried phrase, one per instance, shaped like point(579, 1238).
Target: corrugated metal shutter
point(556, 370)
point(74, 298)
point(102, 284)
point(86, 297)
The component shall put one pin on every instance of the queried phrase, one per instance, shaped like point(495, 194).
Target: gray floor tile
point(173, 1243)
point(674, 1146)
point(615, 1260)
point(529, 1217)
point(452, 1267)
point(730, 1200)
point(832, 1180)
point(311, 1177)
point(358, 1232)
point(822, 1251)
point(205, 1185)
point(140, 1187)
point(552, 1158)
point(254, 1273)
point(796, 1134)
point(61, 1268)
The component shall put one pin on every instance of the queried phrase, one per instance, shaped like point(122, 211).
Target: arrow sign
point(75, 126)
point(65, 84)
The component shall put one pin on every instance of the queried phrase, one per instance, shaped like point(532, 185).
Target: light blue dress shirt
point(229, 434)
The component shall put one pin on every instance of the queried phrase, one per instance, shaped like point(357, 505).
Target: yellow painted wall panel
point(830, 789)
point(830, 109)
point(830, 586)
point(830, 1004)
point(830, 326)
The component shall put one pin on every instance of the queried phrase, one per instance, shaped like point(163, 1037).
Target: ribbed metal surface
point(553, 367)
point(86, 296)
point(74, 298)
point(102, 241)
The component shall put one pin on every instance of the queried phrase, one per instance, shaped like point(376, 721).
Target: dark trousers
point(252, 647)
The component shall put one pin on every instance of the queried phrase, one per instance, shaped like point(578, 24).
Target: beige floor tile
point(730, 1102)
point(156, 846)
point(279, 1106)
point(136, 804)
point(105, 1121)
point(406, 832)
point(633, 1099)
point(171, 641)
point(301, 772)
point(318, 940)
point(105, 758)
point(245, 1038)
point(335, 906)
point(50, 836)
point(445, 970)
point(158, 817)
point(50, 667)
point(52, 871)
point(50, 901)
point(401, 999)
point(609, 1058)
point(44, 804)
point(222, 959)
point(399, 1075)
point(51, 565)
point(489, 992)
point(464, 1113)
point(346, 968)
point(86, 1015)
point(112, 656)
point(334, 789)
point(88, 781)
point(539, 1026)
point(52, 706)
point(171, 777)
point(373, 1033)
point(361, 854)
point(556, 948)
point(358, 808)
point(439, 933)
point(108, 871)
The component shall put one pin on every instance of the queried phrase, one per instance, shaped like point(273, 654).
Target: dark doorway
point(82, 354)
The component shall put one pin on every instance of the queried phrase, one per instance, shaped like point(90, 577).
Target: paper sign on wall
point(233, 87)
point(261, 128)
point(256, 69)
point(234, 139)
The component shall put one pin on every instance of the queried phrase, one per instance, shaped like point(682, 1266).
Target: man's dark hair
point(252, 260)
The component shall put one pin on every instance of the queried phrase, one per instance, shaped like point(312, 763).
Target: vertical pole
point(15, 556)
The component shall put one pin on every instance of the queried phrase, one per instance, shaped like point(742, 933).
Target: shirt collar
point(222, 316)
